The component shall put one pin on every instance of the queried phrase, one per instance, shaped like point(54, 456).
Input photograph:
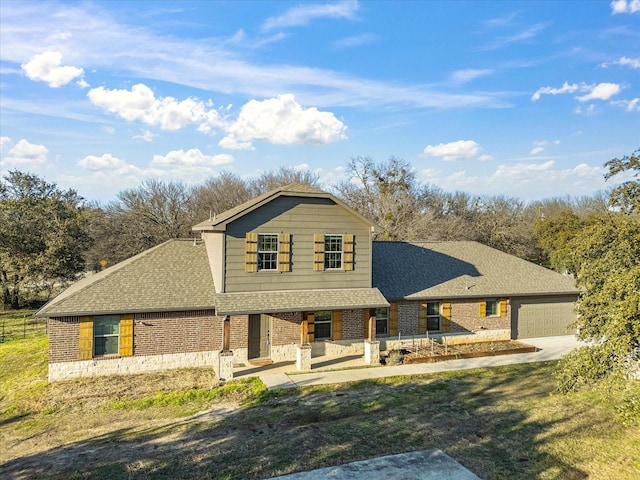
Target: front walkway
point(328, 370)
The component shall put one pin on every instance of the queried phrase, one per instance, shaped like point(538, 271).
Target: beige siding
point(214, 242)
point(301, 218)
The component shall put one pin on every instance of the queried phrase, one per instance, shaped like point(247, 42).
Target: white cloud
point(191, 158)
point(566, 88)
point(140, 104)
point(103, 162)
point(625, 6)
point(46, 67)
point(602, 91)
point(464, 76)
point(302, 15)
point(625, 62)
point(108, 129)
point(523, 171)
point(146, 135)
point(485, 158)
point(451, 152)
point(536, 150)
point(629, 105)
point(282, 121)
point(590, 110)
point(4, 141)
point(24, 153)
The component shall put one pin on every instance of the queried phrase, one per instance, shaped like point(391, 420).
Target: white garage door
point(542, 317)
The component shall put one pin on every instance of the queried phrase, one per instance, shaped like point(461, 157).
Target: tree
point(283, 176)
point(143, 217)
point(605, 254)
point(218, 195)
point(43, 236)
point(627, 195)
point(386, 193)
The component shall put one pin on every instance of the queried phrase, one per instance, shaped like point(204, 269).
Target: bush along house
point(287, 276)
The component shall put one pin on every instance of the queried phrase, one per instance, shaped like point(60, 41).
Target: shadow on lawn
point(480, 418)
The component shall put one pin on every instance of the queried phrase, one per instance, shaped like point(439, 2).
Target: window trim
point(323, 322)
point(276, 252)
point(385, 319)
point(327, 253)
point(438, 315)
point(495, 303)
point(96, 319)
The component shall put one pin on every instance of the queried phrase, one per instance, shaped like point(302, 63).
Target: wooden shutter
point(483, 308)
point(336, 320)
point(251, 252)
point(393, 319)
point(126, 335)
point(366, 313)
point(422, 318)
point(311, 328)
point(318, 252)
point(446, 316)
point(348, 249)
point(285, 252)
point(85, 342)
point(503, 307)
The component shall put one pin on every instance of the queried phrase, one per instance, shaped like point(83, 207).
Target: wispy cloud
point(524, 35)
point(356, 41)
point(304, 14)
point(625, 62)
point(467, 75)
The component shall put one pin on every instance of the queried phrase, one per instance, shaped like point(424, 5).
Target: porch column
point(303, 350)
point(225, 357)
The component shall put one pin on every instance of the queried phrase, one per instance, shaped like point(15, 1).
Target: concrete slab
point(421, 465)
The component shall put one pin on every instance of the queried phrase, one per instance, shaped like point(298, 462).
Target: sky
point(524, 99)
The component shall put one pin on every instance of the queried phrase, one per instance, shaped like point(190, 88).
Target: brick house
point(292, 268)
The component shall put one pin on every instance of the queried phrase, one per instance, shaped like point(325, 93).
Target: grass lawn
point(501, 423)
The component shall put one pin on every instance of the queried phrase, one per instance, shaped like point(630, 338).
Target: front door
point(259, 341)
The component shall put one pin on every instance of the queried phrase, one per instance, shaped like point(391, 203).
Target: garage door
point(542, 317)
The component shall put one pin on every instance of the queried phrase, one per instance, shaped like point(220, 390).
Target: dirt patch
point(437, 352)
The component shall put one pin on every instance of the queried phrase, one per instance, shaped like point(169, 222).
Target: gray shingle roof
point(170, 277)
point(437, 270)
point(298, 300)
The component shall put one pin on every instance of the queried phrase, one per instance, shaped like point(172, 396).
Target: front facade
point(291, 267)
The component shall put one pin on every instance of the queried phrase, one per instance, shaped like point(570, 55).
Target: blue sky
point(516, 98)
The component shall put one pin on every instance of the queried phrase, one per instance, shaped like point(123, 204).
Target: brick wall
point(352, 324)
point(465, 317)
point(153, 334)
point(239, 331)
point(63, 339)
point(285, 328)
point(166, 333)
point(408, 318)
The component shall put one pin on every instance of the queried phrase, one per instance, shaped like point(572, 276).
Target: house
point(292, 274)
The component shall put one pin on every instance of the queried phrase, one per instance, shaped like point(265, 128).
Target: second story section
point(293, 238)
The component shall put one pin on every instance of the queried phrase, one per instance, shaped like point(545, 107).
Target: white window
point(333, 252)
point(268, 251)
point(433, 316)
point(106, 335)
point(322, 324)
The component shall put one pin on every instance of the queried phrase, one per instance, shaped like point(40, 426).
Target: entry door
point(259, 341)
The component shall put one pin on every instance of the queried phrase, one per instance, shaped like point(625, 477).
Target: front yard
point(501, 423)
